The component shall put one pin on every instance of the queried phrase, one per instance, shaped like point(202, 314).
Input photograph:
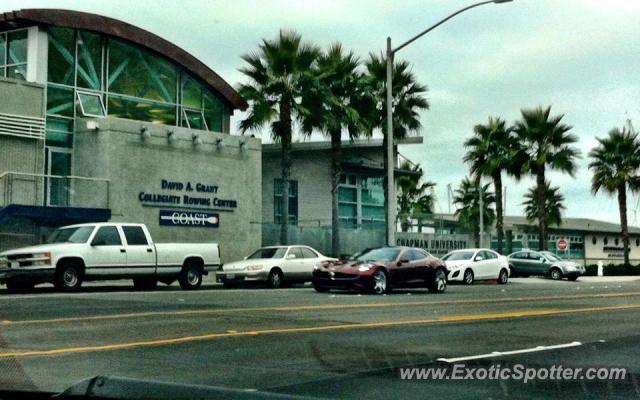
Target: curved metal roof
point(123, 30)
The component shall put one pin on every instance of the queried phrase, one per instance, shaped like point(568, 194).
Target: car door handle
point(123, 250)
point(149, 250)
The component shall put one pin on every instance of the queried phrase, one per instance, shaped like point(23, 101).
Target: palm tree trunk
point(336, 156)
point(542, 228)
point(476, 236)
point(497, 183)
point(285, 121)
point(622, 205)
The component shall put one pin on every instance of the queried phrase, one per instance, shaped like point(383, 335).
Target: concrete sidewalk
point(584, 279)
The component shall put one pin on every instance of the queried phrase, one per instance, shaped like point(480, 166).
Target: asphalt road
point(339, 344)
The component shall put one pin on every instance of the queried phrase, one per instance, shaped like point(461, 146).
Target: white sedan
point(470, 265)
point(276, 265)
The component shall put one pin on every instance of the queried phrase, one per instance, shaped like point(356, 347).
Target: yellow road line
point(312, 308)
point(386, 324)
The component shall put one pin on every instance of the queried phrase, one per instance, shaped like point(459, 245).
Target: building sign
point(189, 218)
point(199, 195)
point(438, 245)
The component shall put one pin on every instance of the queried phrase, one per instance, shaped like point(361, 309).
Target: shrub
point(613, 270)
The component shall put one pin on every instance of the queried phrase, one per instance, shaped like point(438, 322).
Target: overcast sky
point(582, 57)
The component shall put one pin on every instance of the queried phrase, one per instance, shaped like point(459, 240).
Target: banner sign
point(189, 218)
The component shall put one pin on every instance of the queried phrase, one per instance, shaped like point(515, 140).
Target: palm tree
point(615, 165)
point(280, 74)
point(467, 198)
point(544, 143)
point(334, 108)
point(415, 198)
point(553, 204)
point(490, 151)
point(408, 100)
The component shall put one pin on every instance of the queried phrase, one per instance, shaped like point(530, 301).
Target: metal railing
point(22, 126)
point(53, 191)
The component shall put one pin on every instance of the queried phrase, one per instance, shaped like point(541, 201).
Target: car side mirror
point(541, 259)
point(403, 261)
point(479, 258)
point(291, 256)
point(98, 242)
point(245, 257)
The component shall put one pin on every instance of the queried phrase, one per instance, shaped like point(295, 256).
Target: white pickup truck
point(105, 251)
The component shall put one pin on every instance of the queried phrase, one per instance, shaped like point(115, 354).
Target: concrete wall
point(19, 154)
point(352, 240)
point(610, 253)
point(135, 164)
point(21, 98)
point(312, 170)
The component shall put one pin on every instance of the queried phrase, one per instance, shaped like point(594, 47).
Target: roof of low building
point(326, 145)
point(571, 224)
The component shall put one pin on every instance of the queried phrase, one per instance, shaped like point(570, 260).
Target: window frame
point(99, 228)
point(87, 93)
point(138, 227)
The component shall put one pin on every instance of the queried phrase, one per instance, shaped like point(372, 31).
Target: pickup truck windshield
point(71, 235)
point(273, 252)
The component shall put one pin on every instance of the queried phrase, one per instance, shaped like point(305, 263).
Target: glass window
point(89, 60)
point(308, 253)
point(18, 71)
point(3, 49)
point(91, 104)
point(213, 111)
point(135, 236)
point(191, 92)
point(380, 254)
point(293, 201)
point(59, 132)
point(269, 252)
point(458, 256)
point(107, 236)
point(295, 252)
point(61, 64)
point(372, 190)
point(71, 235)
point(372, 212)
point(414, 255)
point(138, 73)
point(60, 101)
point(17, 47)
point(193, 119)
point(489, 255)
point(141, 110)
point(347, 195)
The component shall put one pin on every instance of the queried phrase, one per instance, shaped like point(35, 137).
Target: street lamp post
point(391, 188)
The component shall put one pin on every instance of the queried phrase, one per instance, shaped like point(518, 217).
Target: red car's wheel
point(379, 284)
point(438, 282)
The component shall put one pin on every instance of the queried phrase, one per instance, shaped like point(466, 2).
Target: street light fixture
point(391, 192)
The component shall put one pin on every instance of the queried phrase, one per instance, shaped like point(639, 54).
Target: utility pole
point(481, 206)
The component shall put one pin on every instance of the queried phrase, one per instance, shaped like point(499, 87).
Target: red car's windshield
point(381, 254)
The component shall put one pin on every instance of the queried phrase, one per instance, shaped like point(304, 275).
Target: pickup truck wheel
point(68, 278)
point(190, 277)
point(19, 286)
point(145, 283)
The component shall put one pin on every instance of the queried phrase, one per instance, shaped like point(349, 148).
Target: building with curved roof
point(102, 120)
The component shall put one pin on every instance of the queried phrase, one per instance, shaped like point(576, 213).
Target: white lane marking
point(508, 353)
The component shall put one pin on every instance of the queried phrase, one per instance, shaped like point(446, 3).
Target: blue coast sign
point(189, 218)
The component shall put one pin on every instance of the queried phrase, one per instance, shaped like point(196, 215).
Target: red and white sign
point(562, 244)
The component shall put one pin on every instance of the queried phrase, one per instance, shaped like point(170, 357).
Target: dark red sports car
point(380, 269)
